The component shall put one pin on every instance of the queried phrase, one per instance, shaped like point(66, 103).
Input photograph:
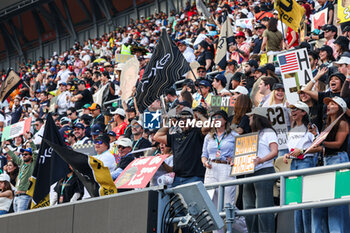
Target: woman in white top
point(299, 139)
point(6, 194)
point(260, 194)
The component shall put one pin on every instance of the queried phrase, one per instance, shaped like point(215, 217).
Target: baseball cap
point(94, 106)
point(104, 138)
point(119, 111)
point(336, 100)
point(4, 177)
point(253, 63)
point(26, 150)
point(258, 111)
point(64, 120)
point(300, 105)
point(82, 82)
point(204, 83)
point(259, 25)
point(240, 33)
point(79, 125)
point(126, 142)
point(277, 86)
point(186, 111)
point(241, 90)
point(343, 60)
point(329, 27)
point(96, 130)
point(63, 83)
point(221, 113)
point(111, 133)
point(221, 78)
point(86, 106)
point(137, 122)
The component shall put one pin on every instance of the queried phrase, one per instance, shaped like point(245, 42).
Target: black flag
point(49, 167)
point(95, 177)
point(166, 66)
point(11, 82)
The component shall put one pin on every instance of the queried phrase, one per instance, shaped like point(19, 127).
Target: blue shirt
point(227, 146)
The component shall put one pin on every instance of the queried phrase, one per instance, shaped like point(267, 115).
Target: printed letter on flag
point(11, 82)
point(290, 13)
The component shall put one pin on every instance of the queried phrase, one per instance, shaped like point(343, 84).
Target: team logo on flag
point(152, 120)
point(288, 62)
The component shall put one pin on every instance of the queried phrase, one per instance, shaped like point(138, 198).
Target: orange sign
point(246, 148)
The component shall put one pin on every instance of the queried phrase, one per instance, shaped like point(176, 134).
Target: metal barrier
point(231, 212)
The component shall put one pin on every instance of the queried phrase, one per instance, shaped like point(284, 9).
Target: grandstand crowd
point(195, 154)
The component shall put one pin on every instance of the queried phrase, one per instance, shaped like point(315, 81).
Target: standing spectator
point(17, 111)
point(63, 74)
point(186, 147)
point(6, 194)
point(205, 57)
point(12, 170)
point(26, 164)
point(260, 194)
point(272, 38)
point(63, 100)
point(217, 155)
point(240, 121)
point(297, 144)
point(241, 49)
point(255, 46)
point(335, 152)
point(186, 51)
point(171, 96)
point(65, 126)
point(204, 97)
point(39, 128)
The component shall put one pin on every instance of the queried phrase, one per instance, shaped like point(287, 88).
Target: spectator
point(6, 194)
point(63, 100)
point(65, 126)
point(260, 194)
point(120, 124)
point(79, 132)
point(171, 97)
point(12, 170)
point(138, 141)
point(272, 38)
point(187, 156)
point(97, 116)
point(124, 148)
point(26, 164)
point(39, 129)
point(103, 154)
point(82, 97)
point(17, 111)
point(72, 115)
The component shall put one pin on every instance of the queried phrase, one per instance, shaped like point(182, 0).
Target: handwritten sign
point(225, 103)
point(246, 148)
point(296, 71)
point(277, 117)
point(319, 19)
point(16, 130)
point(139, 172)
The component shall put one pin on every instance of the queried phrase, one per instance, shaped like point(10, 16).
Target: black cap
point(201, 68)
point(79, 125)
point(237, 76)
point(329, 27)
point(259, 25)
point(342, 41)
point(261, 69)
point(277, 86)
point(269, 66)
point(327, 48)
point(339, 75)
point(232, 62)
point(346, 29)
point(221, 113)
point(82, 82)
point(222, 78)
point(253, 63)
point(104, 138)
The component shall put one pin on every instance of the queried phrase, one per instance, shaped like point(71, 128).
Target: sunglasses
point(69, 114)
point(36, 125)
point(121, 147)
point(136, 126)
point(201, 71)
point(98, 142)
point(217, 117)
point(25, 154)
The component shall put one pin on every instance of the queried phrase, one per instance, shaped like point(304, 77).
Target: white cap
point(343, 60)
point(137, 122)
point(261, 111)
point(275, 12)
point(300, 105)
point(241, 90)
point(338, 101)
point(119, 111)
point(4, 177)
point(126, 142)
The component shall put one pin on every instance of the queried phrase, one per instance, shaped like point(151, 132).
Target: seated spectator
point(124, 148)
point(103, 154)
point(119, 120)
point(79, 133)
point(139, 142)
point(97, 117)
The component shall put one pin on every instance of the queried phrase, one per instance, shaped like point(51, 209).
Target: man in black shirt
point(256, 44)
point(187, 150)
point(138, 141)
point(83, 97)
point(98, 117)
point(17, 111)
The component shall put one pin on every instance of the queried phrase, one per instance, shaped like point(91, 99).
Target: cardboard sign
point(129, 77)
point(277, 117)
point(122, 58)
point(319, 19)
point(139, 172)
point(296, 71)
point(245, 23)
point(16, 130)
point(246, 148)
point(222, 103)
point(343, 10)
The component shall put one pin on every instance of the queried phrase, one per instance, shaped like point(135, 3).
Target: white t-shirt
point(108, 160)
point(63, 75)
point(299, 137)
point(266, 137)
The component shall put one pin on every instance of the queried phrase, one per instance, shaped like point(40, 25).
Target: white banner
point(277, 117)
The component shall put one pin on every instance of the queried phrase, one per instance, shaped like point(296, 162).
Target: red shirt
point(119, 130)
